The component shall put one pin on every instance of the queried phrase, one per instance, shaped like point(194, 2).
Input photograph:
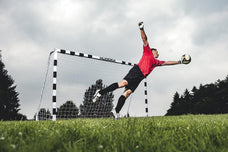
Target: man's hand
point(185, 59)
point(143, 34)
point(141, 25)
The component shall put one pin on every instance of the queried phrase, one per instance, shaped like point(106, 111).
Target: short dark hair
point(153, 49)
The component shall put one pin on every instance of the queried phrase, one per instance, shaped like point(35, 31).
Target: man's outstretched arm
point(181, 61)
point(143, 34)
point(171, 63)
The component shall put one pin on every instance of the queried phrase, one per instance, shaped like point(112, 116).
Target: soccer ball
point(186, 59)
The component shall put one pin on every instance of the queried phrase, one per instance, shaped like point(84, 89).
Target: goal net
point(76, 77)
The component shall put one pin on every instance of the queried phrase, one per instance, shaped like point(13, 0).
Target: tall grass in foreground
point(202, 133)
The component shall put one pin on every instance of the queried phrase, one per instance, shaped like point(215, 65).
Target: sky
point(31, 29)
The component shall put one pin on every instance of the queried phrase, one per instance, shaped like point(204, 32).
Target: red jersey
point(147, 63)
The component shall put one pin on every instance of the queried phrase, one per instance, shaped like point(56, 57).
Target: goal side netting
point(76, 77)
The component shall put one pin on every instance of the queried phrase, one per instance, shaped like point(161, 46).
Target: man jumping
point(136, 74)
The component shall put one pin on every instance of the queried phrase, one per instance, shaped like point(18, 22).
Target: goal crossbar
point(94, 57)
point(84, 55)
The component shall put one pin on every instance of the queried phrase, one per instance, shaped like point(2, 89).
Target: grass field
point(202, 133)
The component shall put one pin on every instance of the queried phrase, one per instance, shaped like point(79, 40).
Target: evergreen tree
point(222, 96)
point(174, 109)
point(101, 108)
point(9, 102)
point(195, 98)
point(188, 104)
point(67, 110)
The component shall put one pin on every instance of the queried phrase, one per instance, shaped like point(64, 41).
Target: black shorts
point(134, 77)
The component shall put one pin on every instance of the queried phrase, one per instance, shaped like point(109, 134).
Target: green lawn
point(202, 133)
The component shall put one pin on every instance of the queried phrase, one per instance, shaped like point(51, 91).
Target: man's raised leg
point(110, 88)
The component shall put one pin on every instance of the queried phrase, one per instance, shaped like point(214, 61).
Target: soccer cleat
point(96, 96)
point(115, 115)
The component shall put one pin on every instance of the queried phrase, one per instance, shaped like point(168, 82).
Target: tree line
point(207, 99)
point(88, 109)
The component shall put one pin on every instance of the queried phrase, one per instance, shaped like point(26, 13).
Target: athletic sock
point(120, 103)
point(110, 88)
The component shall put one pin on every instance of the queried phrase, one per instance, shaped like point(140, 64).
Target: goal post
point(54, 86)
point(87, 56)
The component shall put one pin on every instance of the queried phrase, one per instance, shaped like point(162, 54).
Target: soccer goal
point(76, 77)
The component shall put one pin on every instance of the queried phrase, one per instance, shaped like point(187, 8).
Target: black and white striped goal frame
point(72, 53)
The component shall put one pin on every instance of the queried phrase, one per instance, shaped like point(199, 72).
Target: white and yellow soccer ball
point(185, 59)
